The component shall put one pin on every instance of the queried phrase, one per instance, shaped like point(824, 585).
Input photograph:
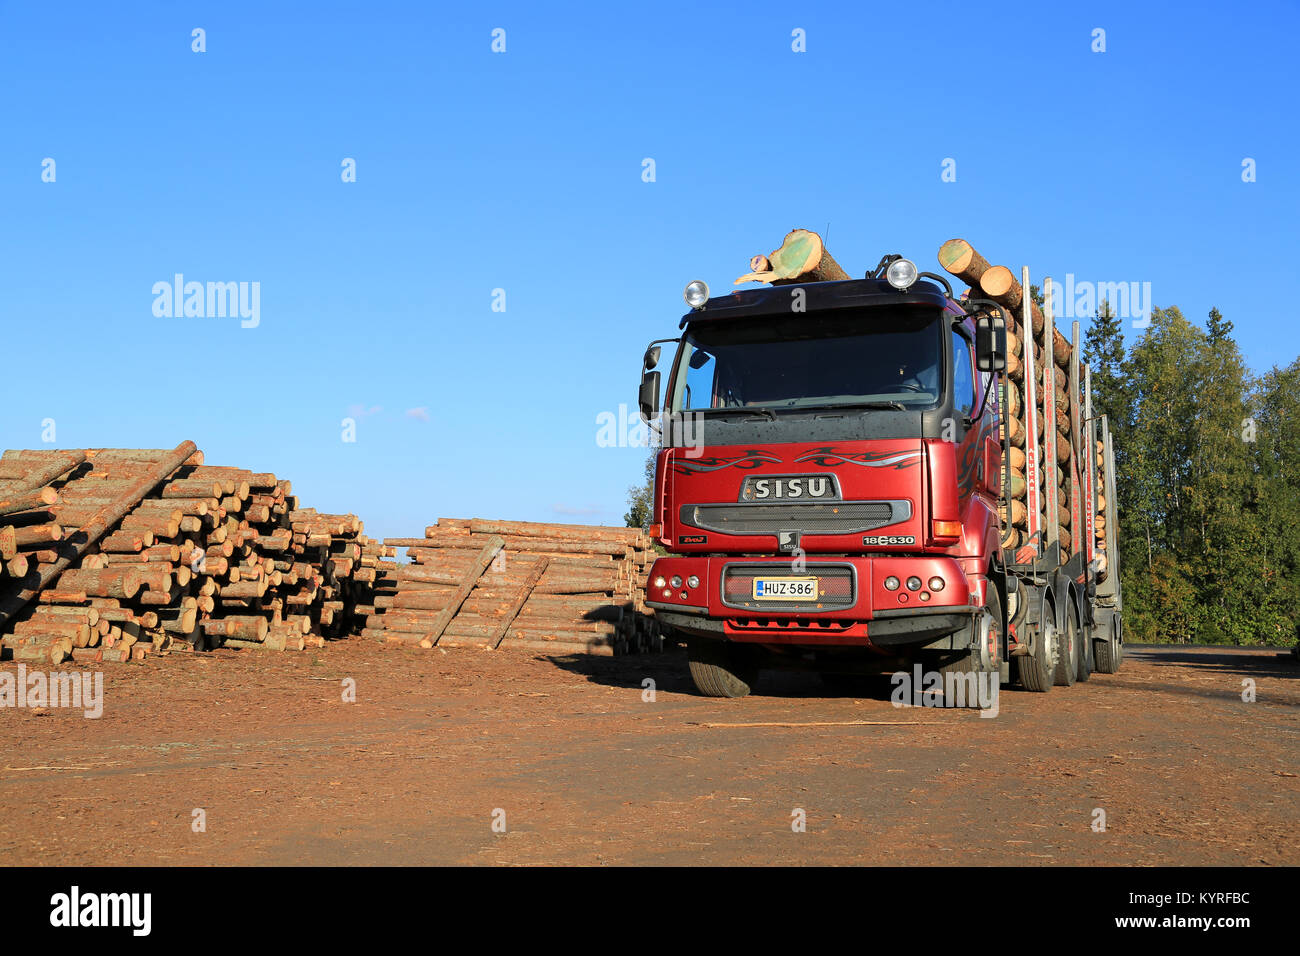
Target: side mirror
point(991, 343)
point(648, 398)
point(651, 358)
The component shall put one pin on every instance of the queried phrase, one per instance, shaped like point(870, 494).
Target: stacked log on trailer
point(1100, 531)
point(802, 257)
point(1053, 398)
point(158, 551)
point(513, 584)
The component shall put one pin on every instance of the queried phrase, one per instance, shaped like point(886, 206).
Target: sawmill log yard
point(874, 617)
point(445, 444)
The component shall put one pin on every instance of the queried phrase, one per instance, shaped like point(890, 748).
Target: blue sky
point(522, 171)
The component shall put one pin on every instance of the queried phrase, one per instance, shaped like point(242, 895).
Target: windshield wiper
point(872, 406)
point(742, 409)
point(771, 415)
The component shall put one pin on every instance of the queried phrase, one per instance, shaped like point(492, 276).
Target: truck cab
point(829, 479)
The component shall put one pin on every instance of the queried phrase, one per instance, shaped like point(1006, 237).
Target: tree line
point(1207, 477)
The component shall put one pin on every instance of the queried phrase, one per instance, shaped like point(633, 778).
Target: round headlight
point(914, 583)
point(660, 581)
point(936, 584)
point(675, 580)
point(891, 583)
point(697, 293)
point(901, 273)
point(692, 582)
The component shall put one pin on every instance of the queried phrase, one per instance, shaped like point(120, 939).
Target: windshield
point(886, 357)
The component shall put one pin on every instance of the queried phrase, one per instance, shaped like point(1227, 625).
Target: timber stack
point(112, 554)
point(529, 586)
point(1103, 516)
point(1053, 399)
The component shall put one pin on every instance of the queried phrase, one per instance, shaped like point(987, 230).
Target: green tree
point(1153, 473)
point(1103, 352)
point(1208, 498)
point(1272, 432)
point(640, 497)
point(1160, 369)
point(1221, 548)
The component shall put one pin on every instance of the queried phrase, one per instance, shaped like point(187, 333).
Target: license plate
point(784, 589)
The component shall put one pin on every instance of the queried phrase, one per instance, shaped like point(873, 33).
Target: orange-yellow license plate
point(784, 589)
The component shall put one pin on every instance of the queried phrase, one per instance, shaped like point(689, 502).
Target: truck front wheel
point(719, 669)
point(964, 670)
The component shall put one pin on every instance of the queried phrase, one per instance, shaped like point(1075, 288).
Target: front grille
point(835, 587)
point(839, 517)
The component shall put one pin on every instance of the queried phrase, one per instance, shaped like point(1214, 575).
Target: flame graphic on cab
point(830, 457)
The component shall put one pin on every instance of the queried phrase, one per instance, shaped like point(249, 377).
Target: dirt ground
point(581, 769)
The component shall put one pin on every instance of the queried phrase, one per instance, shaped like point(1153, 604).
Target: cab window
point(963, 378)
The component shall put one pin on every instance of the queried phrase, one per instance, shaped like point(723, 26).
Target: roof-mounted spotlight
point(901, 274)
point(697, 293)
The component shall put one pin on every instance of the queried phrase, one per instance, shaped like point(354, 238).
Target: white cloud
point(419, 414)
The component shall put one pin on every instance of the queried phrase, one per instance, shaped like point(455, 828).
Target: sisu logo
point(789, 487)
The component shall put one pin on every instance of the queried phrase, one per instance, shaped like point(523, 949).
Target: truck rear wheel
point(1109, 650)
point(1067, 657)
point(1037, 669)
point(719, 669)
point(1086, 663)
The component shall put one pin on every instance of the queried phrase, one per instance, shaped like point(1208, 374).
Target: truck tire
point(979, 660)
point(1037, 671)
point(1086, 663)
point(1110, 652)
point(718, 669)
point(1067, 657)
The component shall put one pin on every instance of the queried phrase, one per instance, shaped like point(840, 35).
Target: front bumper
point(870, 615)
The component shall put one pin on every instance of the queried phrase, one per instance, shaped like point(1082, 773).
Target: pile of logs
point(535, 587)
point(116, 553)
point(1099, 530)
point(998, 283)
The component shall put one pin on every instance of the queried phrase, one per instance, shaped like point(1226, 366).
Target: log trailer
point(847, 480)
